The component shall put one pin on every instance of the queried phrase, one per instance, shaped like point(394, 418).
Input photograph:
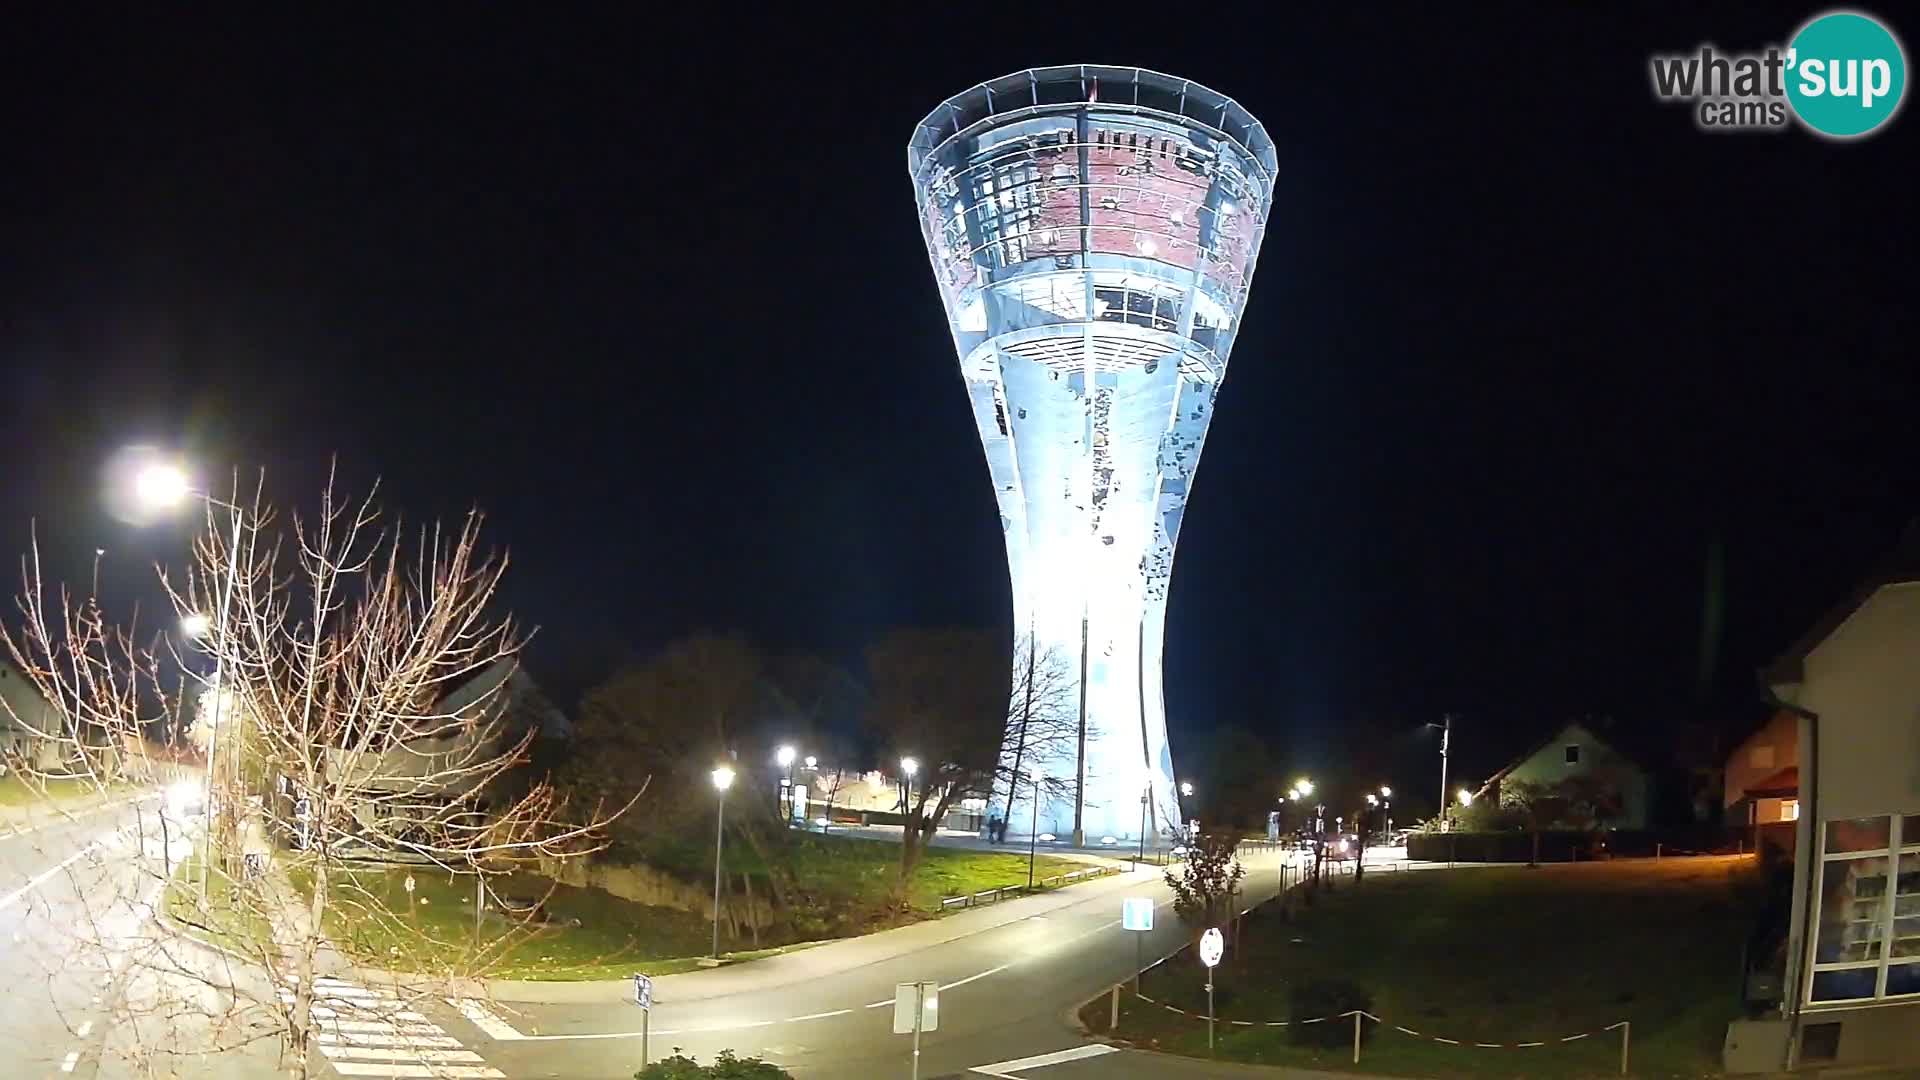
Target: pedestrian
point(993, 830)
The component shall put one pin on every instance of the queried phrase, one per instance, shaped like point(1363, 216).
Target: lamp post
point(1386, 802)
point(722, 780)
point(162, 486)
point(1446, 739)
point(909, 766)
point(1033, 838)
point(1186, 792)
point(785, 757)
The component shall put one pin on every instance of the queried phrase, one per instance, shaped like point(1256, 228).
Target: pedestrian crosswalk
point(370, 1032)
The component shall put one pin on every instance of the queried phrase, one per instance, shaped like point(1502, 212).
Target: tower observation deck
point(1093, 231)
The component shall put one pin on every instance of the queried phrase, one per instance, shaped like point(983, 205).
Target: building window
point(1867, 939)
point(1789, 809)
point(1760, 757)
point(1573, 754)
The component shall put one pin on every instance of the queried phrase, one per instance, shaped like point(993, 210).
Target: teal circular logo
point(1846, 74)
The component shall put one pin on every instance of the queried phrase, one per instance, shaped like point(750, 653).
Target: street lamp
point(1466, 797)
point(722, 780)
point(812, 762)
point(1186, 789)
point(1033, 839)
point(1305, 786)
point(785, 756)
point(163, 485)
point(1386, 800)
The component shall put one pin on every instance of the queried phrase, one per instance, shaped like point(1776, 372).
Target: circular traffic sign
point(1212, 946)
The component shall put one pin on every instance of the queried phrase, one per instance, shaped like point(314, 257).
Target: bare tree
point(357, 721)
point(1042, 716)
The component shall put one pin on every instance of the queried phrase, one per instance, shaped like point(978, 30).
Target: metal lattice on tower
point(1093, 230)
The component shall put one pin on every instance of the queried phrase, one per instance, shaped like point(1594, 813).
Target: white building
point(1852, 980)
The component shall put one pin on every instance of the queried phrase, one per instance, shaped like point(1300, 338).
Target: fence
point(1359, 1016)
point(1560, 845)
point(1055, 881)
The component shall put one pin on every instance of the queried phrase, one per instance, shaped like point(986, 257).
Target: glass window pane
point(1840, 985)
point(1859, 834)
point(1853, 910)
point(1903, 979)
point(1910, 831)
point(1906, 907)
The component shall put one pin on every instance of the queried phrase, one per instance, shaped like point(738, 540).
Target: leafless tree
point(360, 719)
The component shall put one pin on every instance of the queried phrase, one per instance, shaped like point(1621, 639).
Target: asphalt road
point(1005, 995)
point(88, 985)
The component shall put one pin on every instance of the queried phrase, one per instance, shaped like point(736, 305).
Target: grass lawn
point(242, 927)
point(847, 879)
point(1498, 955)
point(15, 791)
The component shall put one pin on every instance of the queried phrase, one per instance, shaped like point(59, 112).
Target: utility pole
point(1446, 737)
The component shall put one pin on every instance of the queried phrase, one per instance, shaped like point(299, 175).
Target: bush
point(725, 1067)
point(1327, 998)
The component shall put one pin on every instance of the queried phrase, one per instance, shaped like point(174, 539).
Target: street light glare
point(909, 765)
point(1186, 788)
point(1386, 792)
point(161, 486)
point(1466, 797)
point(812, 762)
point(785, 756)
point(722, 778)
point(1305, 785)
point(195, 625)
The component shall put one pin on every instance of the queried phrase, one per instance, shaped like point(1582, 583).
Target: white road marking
point(399, 1069)
point(382, 1027)
point(1041, 1061)
point(368, 1038)
point(982, 975)
point(820, 1016)
point(67, 1063)
point(33, 883)
point(387, 1053)
point(485, 1019)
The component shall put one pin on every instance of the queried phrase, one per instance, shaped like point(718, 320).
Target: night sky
point(1523, 348)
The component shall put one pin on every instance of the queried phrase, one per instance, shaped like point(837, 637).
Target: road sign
point(642, 991)
point(1212, 946)
point(1136, 913)
point(909, 999)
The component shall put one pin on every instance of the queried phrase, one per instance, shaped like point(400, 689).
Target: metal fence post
point(1113, 1020)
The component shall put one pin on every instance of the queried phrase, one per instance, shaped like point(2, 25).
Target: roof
point(1784, 784)
point(1556, 736)
point(1899, 568)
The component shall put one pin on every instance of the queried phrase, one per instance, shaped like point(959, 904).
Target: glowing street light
point(1186, 788)
point(1386, 792)
point(161, 486)
point(195, 625)
point(812, 762)
point(785, 757)
point(1372, 799)
point(722, 780)
point(909, 766)
point(1305, 786)
point(1466, 797)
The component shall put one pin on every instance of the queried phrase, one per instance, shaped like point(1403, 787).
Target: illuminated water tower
point(1093, 231)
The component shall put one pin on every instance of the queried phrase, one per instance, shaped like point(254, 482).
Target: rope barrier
point(1397, 1027)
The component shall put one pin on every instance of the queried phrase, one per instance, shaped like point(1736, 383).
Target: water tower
point(1093, 231)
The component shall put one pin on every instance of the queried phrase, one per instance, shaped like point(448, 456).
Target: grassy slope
point(14, 791)
point(1491, 955)
point(851, 877)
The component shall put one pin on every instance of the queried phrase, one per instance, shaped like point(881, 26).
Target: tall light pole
point(909, 766)
point(722, 780)
point(785, 757)
point(1386, 800)
point(1446, 738)
point(1033, 838)
point(162, 486)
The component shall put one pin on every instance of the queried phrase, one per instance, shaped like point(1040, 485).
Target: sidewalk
point(821, 961)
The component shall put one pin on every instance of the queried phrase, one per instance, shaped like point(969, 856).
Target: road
point(1005, 994)
point(91, 987)
point(88, 986)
